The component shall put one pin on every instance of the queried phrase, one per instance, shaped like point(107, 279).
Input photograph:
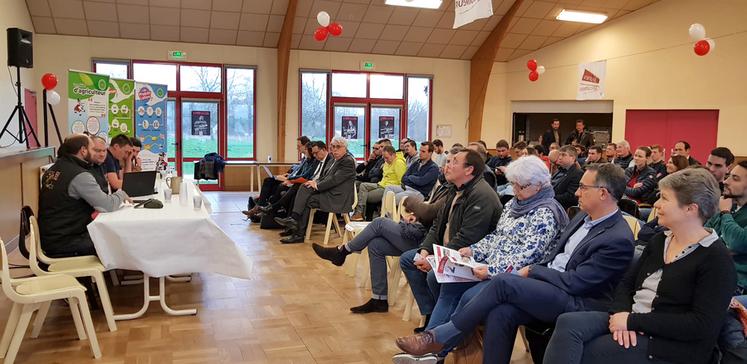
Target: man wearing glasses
point(371, 170)
point(331, 192)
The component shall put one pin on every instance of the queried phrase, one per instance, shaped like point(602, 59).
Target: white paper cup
point(197, 199)
point(167, 195)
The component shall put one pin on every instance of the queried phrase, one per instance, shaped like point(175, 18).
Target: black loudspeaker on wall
point(20, 48)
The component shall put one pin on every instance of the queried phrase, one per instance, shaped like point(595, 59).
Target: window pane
point(350, 123)
point(171, 128)
point(198, 78)
point(201, 138)
point(349, 84)
point(240, 98)
point(418, 108)
point(314, 105)
point(113, 69)
point(163, 74)
point(387, 86)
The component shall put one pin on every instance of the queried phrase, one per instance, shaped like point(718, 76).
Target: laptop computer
point(268, 171)
point(138, 184)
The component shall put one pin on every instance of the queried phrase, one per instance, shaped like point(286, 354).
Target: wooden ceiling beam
point(284, 46)
point(481, 65)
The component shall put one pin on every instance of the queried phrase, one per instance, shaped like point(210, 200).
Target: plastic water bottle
point(269, 159)
point(183, 194)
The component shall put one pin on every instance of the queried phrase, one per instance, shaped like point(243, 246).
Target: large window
point(240, 103)
point(418, 108)
point(314, 105)
point(162, 74)
point(199, 79)
point(113, 68)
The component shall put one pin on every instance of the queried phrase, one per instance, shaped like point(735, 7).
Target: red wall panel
point(666, 127)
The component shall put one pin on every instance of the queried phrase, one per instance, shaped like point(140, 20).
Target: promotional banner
point(121, 104)
point(350, 127)
point(150, 117)
point(200, 123)
point(591, 80)
point(88, 102)
point(386, 127)
point(467, 11)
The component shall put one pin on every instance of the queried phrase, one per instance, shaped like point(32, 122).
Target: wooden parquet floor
point(294, 309)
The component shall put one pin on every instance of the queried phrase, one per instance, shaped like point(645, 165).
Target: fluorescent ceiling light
point(581, 16)
point(425, 4)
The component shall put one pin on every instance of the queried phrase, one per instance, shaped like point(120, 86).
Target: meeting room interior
point(373, 181)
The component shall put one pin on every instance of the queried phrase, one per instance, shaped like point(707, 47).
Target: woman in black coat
point(642, 181)
point(671, 304)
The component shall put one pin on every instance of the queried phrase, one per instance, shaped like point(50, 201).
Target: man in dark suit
point(565, 180)
point(332, 192)
point(590, 257)
point(551, 135)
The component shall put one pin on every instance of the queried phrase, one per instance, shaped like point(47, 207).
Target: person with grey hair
point(623, 156)
point(670, 306)
point(524, 235)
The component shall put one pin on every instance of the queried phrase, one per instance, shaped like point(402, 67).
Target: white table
point(173, 240)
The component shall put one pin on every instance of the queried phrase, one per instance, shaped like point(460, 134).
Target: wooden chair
point(36, 294)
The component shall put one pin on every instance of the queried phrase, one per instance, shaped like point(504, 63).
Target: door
point(200, 120)
point(385, 123)
point(666, 127)
point(350, 123)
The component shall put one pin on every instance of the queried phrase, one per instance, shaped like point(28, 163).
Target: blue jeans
point(424, 286)
point(448, 300)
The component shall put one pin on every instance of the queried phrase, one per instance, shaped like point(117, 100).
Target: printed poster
point(591, 78)
point(386, 127)
point(350, 127)
point(150, 118)
point(200, 123)
point(88, 103)
point(121, 104)
point(467, 11)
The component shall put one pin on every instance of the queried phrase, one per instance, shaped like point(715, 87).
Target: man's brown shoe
point(357, 217)
point(420, 344)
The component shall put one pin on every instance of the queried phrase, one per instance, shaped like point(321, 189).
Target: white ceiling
point(369, 26)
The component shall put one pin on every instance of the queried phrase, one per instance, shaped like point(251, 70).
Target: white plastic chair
point(88, 266)
point(36, 294)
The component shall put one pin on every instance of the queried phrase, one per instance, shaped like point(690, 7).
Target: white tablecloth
point(173, 240)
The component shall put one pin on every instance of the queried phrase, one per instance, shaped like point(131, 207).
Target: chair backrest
point(388, 206)
point(26, 212)
point(401, 207)
point(34, 247)
point(5, 279)
point(355, 196)
point(652, 214)
point(634, 225)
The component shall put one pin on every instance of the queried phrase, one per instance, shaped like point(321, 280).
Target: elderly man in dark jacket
point(470, 211)
point(332, 192)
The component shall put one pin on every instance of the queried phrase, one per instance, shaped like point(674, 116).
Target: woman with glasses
point(671, 304)
point(527, 227)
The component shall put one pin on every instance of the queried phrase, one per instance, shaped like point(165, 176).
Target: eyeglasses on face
point(584, 187)
point(336, 146)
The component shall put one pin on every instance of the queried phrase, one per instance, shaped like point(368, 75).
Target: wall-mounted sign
point(177, 55)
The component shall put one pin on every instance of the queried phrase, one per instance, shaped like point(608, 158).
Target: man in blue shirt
point(592, 254)
point(118, 160)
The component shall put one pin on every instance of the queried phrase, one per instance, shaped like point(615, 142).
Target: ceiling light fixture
point(581, 16)
point(424, 4)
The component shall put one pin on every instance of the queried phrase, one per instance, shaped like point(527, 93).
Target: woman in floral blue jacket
point(524, 235)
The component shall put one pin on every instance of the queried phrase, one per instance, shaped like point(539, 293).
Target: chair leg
point(39, 321)
point(23, 324)
point(309, 225)
point(337, 225)
point(115, 278)
point(88, 323)
point(10, 327)
point(105, 301)
point(77, 321)
point(327, 230)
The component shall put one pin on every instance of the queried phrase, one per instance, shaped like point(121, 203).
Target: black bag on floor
point(267, 221)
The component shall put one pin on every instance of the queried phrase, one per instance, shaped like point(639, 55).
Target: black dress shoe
point(334, 254)
point(287, 222)
point(420, 329)
point(265, 209)
point(373, 305)
point(286, 232)
point(293, 239)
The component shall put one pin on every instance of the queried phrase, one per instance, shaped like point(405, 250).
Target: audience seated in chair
point(331, 192)
point(565, 181)
point(683, 148)
point(487, 173)
point(670, 306)
point(591, 255)
point(393, 170)
point(623, 156)
point(719, 163)
point(371, 169)
point(641, 186)
point(419, 178)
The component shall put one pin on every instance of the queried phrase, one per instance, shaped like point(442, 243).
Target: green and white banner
point(121, 105)
point(88, 102)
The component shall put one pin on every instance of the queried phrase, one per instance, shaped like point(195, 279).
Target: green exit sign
point(177, 55)
point(367, 66)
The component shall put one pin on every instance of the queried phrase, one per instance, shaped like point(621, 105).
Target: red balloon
point(335, 29)
point(321, 34)
point(533, 76)
point(532, 64)
point(702, 47)
point(49, 80)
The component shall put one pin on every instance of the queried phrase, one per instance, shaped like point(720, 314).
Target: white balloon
point(323, 18)
point(540, 69)
point(711, 43)
point(53, 98)
point(697, 32)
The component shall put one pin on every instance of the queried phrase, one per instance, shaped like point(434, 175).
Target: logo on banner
point(467, 11)
point(144, 94)
point(591, 80)
point(590, 77)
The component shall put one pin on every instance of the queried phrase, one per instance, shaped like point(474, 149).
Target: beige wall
point(650, 65)
point(14, 14)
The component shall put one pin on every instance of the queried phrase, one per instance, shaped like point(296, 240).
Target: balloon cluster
point(326, 28)
point(702, 44)
point(534, 70)
point(49, 81)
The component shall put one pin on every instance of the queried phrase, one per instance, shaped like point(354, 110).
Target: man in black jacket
point(551, 135)
point(565, 181)
point(470, 212)
point(580, 136)
point(623, 155)
point(372, 169)
point(657, 161)
point(683, 148)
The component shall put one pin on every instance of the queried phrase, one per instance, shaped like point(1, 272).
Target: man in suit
point(592, 254)
point(551, 135)
point(565, 180)
point(332, 192)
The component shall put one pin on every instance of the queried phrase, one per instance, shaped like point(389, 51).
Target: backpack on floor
point(267, 221)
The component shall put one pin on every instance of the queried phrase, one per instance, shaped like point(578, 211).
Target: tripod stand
point(23, 119)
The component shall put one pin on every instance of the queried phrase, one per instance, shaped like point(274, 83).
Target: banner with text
point(88, 102)
point(121, 104)
point(591, 78)
point(150, 116)
point(467, 11)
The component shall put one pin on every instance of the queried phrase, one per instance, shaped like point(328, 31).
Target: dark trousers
point(584, 337)
point(74, 246)
point(306, 199)
point(285, 200)
point(269, 185)
point(505, 303)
